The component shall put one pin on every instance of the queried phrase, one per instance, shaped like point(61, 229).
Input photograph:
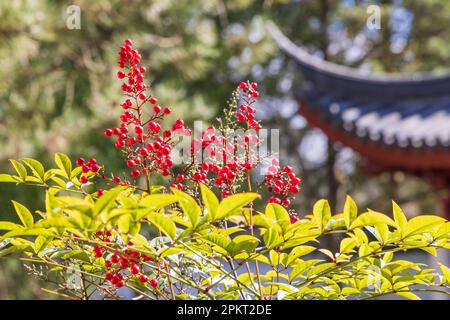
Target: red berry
point(295, 180)
point(138, 130)
point(143, 278)
point(116, 180)
point(142, 96)
point(135, 173)
point(120, 284)
point(84, 180)
point(294, 219)
point(255, 94)
point(254, 85)
point(108, 132)
point(167, 110)
point(131, 163)
point(98, 254)
point(157, 109)
point(240, 117)
point(108, 264)
point(120, 75)
point(115, 258)
point(128, 42)
point(154, 283)
point(143, 152)
point(134, 269)
point(243, 86)
point(120, 143)
point(109, 276)
point(152, 100)
point(294, 189)
point(80, 162)
point(100, 192)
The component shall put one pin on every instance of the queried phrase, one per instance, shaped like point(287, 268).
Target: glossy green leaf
point(24, 214)
point(189, 206)
point(350, 211)
point(20, 169)
point(9, 178)
point(321, 213)
point(106, 200)
point(6, 225)
point(210, 201)
point(163, 223)
point(158, 201)
point(371, 218)
point(63, 162)
point(36, 167)
point(234, 202)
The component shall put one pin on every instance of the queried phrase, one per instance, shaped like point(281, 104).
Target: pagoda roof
point(396, 120)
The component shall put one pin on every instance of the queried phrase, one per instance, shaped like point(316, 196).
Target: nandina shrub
point(206, 234)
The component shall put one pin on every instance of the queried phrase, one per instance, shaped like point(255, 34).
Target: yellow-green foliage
point(204, 248)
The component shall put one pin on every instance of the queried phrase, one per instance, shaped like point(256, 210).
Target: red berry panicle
point(146, 146)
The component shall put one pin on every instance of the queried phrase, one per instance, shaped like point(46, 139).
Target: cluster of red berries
point(283, 183)
point(246, 111)
point(146, 146)
point(122, 267)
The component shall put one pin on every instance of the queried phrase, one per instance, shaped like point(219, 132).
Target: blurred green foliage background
point(58, 89)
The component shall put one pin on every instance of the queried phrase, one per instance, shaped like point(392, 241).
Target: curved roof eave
point(349, 81)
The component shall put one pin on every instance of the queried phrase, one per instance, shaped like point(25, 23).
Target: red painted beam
point(389, 158)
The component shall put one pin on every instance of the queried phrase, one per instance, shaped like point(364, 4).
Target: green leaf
point(372, 218)
point(20, 169)
point(12, 249)
point(163, 223)
point(446, 272)
point(63, 162)
point(242, 243)
point(399, 217)
point(347, 245)
point(220, 241)
point(350, 211)
point(422, 224)
point(29, 232)
point(189, 206)
point(40, 243)
point(6, 225)
point(24, 214)
point(210, 201)
point(271, 238)
point(298, 252)
point(234, 202)
point(124, 223)
point(321, 213)
point(106, 200)
point(301, 267)
point(9, 178)
point(77, 255)
point(277, 214)
point(35, 166)
point(158, 201)
point(409, 295)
